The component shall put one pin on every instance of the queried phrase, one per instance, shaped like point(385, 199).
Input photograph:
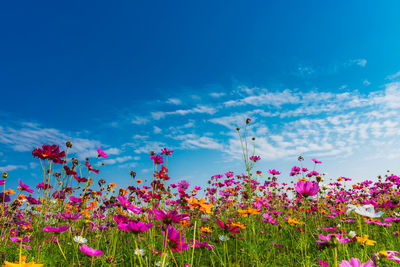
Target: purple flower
point(32, 200)
point(24, 187)
point(307, 188)
point(2, 182)
point(255, 158)
point(90, 251)
point(56, 229)
point(43, 186)
point(4, 197)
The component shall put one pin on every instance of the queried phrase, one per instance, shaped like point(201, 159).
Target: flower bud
point(68, 144)
point(5, 175)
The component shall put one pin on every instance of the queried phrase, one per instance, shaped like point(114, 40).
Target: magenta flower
point(323, 263)
point(43, 186)
point(354, 262)
point(248, 120)
point(389, 254)
point(75, 199)
point(316, 161)
point(101, 153)
point(4, 197)
point(2, 182)
point(135, 226)
point(307, 188)
point(170, 217)
point(274, 172)
point(80, 179)
point(332, 238)
point(56, 229)
point(157, 159)
point(166, 152)
point(255, 158)
point(24, 187)
point(175, 239)
point(90, 251)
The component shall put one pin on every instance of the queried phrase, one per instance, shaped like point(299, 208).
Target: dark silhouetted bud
point(133, 174)
point(69, 144)
point(248, 120)
point(152, 153)
point(5, 175)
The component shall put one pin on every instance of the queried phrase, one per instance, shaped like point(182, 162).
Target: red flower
point(68, 171)
point(80, 179)
point(49, 152)
point(90, 167)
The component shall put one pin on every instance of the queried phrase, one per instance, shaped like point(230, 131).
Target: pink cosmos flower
point(330, 238)
point(135, 226)
point(166, 152)
point(255, 158)
point(175, 239)
point(323, 263)
point(90, 168)
point(316, 161)
point(24, 187)
point(157, 159)
point(101, 153)
point(90, 251)
point(170, 217)
point(2, 182)
point(307, 188)
point(389, 254)
point(354, 262)
point(80, 179)
point(43, 186)
point(274, 172)
point(56, 229)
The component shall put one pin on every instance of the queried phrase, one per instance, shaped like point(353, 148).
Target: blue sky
point(318, 78)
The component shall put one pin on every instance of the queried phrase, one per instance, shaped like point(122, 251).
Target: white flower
point(158, 263)
point(352, 234)
point(80, 239)
point(224, 238)
point(366, 210)
point(139, 252)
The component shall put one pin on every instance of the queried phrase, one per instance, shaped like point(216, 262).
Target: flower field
point(255, 218)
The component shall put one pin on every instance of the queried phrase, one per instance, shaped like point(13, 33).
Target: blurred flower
point(224, 238)
point(90, 251)
point(366, 210)
point(22, 263)
point(56, 229)
point(139, 252)
point(354, 262)
point(24, 187)
point(80, 239)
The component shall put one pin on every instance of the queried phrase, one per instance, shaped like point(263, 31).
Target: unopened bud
point(68, 144)
point(5, 175)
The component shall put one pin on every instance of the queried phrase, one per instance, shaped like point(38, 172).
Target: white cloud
point(362, 62)
point(174, 101)
point(140, 120)
point(117, 160)
point(9, 168)
point(393, 76)
point(198, 109)
point(157, 130)
point(217, 95)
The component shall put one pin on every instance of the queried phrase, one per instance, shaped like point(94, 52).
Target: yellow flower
point(194, 203)
point(302, 179)
point(22, 263)
point(294, 221)
point(365, 241)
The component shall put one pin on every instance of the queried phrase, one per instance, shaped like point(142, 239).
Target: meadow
point(73, 218)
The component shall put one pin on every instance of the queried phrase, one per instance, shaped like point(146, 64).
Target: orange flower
point(302, 179)
point(249, 211)
point(139, 181)
point(239, 225)
point(21, 196)
point(204, 207)
point(206, 230)
point(22, 263)
point(112, 185)
point(10, 192)
point(294, 221)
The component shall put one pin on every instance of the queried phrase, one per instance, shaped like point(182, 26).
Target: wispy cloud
point(140, 120)
point(174, 101)
point(198, 109)
point(9, 168)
